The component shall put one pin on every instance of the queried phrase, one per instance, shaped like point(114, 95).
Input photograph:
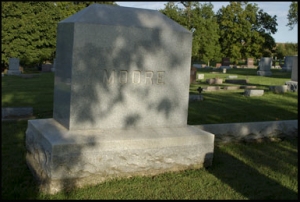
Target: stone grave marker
point(288, 63)
point(253, 92)
point(12, 112)
point(265, 65)
point(120, 101)
point(197, 65)
point(250, 62)
point(200, 76)
point(293, 84)
point(193, 74)
point(46, 67)
point(14, 66)
point(225, 61)
point(279, 89)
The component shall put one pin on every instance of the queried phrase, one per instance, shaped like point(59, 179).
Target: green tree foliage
point(280, 51)
point(29, 29)
point(206, 45)
point(172, 11)
point(245, 31)
point(291, 49)
point(292, 15)
point(286, 49)
point(200, 20)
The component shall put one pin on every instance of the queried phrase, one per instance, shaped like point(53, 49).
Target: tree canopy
point(29, 29)
point(292, 15)
point(238, 30)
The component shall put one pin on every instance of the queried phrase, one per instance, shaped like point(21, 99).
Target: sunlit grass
point(240, 171)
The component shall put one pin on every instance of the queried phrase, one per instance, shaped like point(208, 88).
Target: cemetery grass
point(231, 106)
point(251, 170)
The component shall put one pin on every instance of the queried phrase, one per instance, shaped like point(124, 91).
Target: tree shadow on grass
point(243, 167)
point(16, 179)
point(219, 107)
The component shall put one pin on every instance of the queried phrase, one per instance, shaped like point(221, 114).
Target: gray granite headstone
point(293, 84)
point(8, 112)
point(197, 66)
point(14, 65)
point(121, 71)
point(265, 65)
point(121, 94)
point(294, 76)
point(279, 89)
point(288, 63)
point(46, 67)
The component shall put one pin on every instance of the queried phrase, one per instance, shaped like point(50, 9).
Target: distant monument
point(265, 65)
point(225, 63)
point(293, 84)
point(193, 74)
point(250, 62)
point(288, 63)
point(121, 94)
point(14, 66)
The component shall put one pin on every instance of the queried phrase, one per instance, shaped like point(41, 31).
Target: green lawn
point(240, 171)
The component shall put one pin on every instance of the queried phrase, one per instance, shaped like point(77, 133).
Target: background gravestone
point(250, 62)
point(46, 67)
point(218, 65)
point(121, 96)
point(135, 62)
point(288, 63)
point(225, 63)
point(293, 84)
point(14, 66)
point(193, 74)
point(265, 65)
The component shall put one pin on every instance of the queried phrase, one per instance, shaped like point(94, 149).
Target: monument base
point(62, 159)
point(13, 72)
point(264, 73)
point(292, 85)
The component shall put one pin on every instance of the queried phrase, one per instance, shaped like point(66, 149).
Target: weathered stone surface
point(8, 112)
point(265, 65)
point(279, 89)
point(84, 157)
point(14, 66)
point(253, 92)
point(120, 101)
point(231, 87)
point(129, 70)
point(251, 130)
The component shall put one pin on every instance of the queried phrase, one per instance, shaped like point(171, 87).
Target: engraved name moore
point(135, 77)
